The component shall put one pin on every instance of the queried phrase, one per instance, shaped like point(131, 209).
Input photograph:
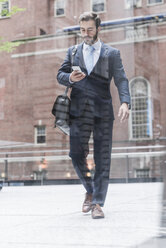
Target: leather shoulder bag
point(61, 107)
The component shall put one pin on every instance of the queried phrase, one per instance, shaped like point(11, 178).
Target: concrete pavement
point(50, 216)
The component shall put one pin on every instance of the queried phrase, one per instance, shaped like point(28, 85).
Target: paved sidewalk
point(154, 243)
point(50, 216)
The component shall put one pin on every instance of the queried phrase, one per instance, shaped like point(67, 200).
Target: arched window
point(141, 118)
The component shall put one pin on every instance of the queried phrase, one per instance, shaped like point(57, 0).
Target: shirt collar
point(96, 45)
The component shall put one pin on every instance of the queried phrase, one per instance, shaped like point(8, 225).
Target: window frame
point(154, 4)
point(36, 134)
point(142, 173)
point(4, 17)
point(150, 112)
point(55, 8)
point(98, 12)
point(126, 7)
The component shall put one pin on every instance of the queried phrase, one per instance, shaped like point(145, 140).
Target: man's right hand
point(76, 76)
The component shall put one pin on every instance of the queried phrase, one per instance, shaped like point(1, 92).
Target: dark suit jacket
point(95, 86)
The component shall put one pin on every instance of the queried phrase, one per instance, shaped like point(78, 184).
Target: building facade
point(28, 85)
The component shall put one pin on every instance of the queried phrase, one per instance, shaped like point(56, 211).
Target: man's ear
point(98, 29)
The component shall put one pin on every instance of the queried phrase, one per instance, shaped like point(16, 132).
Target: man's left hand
point(123, 113)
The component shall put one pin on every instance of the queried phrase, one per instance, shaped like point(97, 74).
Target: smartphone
point(76, 68)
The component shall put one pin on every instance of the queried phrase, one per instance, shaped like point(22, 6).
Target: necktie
point(90, 59)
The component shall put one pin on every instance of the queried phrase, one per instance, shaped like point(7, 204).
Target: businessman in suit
point(91, 110)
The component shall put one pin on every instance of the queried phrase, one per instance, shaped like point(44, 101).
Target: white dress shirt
point(96, 53)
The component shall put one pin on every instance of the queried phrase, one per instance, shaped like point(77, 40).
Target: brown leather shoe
point(86, 207)
point(97, 212)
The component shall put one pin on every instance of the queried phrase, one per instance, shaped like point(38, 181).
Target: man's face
point(89, 32)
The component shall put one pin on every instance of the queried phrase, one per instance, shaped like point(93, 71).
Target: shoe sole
point(87, 211)
point(98, 217)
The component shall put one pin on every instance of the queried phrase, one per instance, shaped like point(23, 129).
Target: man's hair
point(86, 16)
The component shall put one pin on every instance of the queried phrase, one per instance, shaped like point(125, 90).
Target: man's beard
point(90, 40)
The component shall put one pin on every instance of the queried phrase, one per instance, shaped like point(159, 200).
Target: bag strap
point(66, 90)
point(72, 60)
point(73, 53)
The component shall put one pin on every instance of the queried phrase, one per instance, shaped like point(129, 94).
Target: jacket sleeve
point(120, 78)
point(65, 70)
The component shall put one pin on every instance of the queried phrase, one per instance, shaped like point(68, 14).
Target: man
point(91, 108)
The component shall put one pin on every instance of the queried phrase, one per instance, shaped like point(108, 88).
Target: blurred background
point(32, 151)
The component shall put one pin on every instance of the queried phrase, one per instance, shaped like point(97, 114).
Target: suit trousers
point(81, 129)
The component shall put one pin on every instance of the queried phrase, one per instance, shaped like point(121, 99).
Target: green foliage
point(13, 11)
point(8, 46)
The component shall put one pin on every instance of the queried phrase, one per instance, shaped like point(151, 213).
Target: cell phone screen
point(76, 68)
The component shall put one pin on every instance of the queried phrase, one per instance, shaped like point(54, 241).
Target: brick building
point(28, 84)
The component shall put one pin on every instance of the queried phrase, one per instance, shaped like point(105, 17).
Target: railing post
point(6, 168)
point(127, 169)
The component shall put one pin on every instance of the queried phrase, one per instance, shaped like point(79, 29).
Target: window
point(141, 123)
point(40, 134)
point(154, 1)
point(133, 4)
point(98, 5)
point(142, 173)
point(4, 8)
point(59, 7)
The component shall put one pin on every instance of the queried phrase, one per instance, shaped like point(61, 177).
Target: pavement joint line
point(37, 215)
point(70, 245)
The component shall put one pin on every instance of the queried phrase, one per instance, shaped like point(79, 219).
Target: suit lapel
point(79, 60)
point(103, 56)
point(102, 66)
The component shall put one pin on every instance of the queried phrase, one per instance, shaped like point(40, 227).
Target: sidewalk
point(50, 216)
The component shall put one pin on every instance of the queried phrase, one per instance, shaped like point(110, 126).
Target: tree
point(8, 46)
